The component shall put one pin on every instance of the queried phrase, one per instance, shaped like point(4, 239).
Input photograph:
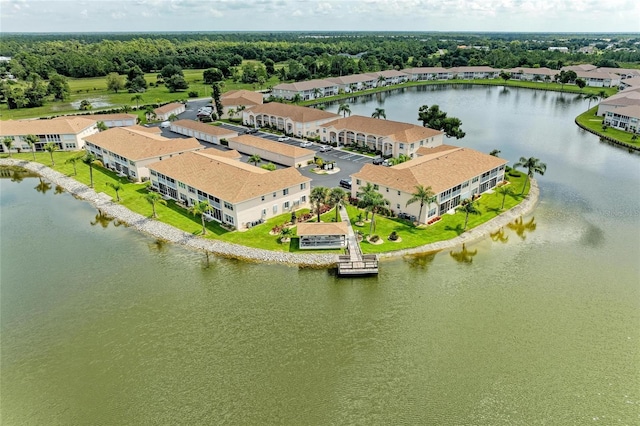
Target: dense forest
point(39, 64)
point(315, 55)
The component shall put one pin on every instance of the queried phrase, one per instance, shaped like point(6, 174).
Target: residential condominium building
point(268, 150)
point(238, 100)
point(453, 173)
point(166, 111)
point(389, 137)
point(291, 119)
point(532, 74)
point(130, 150)
point(112, 120)
point(240, 194)
point(67, 133)
point(624, 98)
point(624, 118)
point(202, 131)
point(311, 89)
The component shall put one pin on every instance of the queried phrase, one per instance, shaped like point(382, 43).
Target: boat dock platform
point(355, 263)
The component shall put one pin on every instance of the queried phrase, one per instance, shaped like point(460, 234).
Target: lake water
point(539, 325)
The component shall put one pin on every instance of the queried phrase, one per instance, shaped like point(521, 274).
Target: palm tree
point(116, 186)
point(504, 190)
point(318, 198)
point(137, 98)
point(73, 161)
point(296, 98)
point(51, 148)
point(372, 200)
point(149, 113)
point(125, 109)
point(533, 165)
point(337, 196)
point(317, 93)
point(468, 207)
point(495, 152)
point(32, 140)
point(172, 117)
point(547, 79)
point(424, 196)
point(285, 234)
point(590, 97)
point(90, 160)
point(231, 113)
point(520, 227)
point(344, 109)
point(154, 198)
point(379, 113)
point(8, 142)
point(200, 208)
point(255, 159)
point(101, 126)
point(381, 81)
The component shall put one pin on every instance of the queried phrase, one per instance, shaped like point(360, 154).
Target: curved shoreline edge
point(163, 231)
point(605, 137)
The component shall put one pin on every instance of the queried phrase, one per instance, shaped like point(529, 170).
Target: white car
point(326, 148)
point(165, 124)
point(283, 138)
point(306, 144)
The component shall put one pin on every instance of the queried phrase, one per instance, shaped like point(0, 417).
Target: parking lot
point(347, 162)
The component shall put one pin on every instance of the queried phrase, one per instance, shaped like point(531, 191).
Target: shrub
point(192, 94)
point(393, 236)
point(374, 238)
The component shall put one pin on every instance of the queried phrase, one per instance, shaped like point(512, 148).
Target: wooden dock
point(355, 263)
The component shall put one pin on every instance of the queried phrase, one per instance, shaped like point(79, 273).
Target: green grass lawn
point(133, 197)
point(590, 120)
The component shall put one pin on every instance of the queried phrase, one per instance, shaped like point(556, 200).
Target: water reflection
point(59, 190)
point(521, 227)
point(420, 261)
point(43, 187)
point(499, 236)
point(464, 255)
point(104, 220)
point(593, 236)
point(16, 174)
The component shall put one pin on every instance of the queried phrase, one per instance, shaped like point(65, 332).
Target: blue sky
point(320, 15)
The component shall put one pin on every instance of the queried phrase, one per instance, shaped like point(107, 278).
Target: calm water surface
point(102, 325)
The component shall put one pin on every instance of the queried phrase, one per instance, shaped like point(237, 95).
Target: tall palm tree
point(337, 196)
point(116, 186)
point(468, 207)
point(344, 109)
point(533, 165)
point(200, 208)
point(172, 117)
point(32, 140)
point(149, 113)
point(137, 98)
point(90, 160)
point(372, 200)
point(154, 198)
point(590, 97)
point(51, 148)
point(296, 98)
point(379, 113)
point(318, 198)
point(255, 159)
point(381, 81)
point(73, 161)
point(101, 126)
point(422, 195)
point(317, 93)
point(504, 190)
point(8, 142)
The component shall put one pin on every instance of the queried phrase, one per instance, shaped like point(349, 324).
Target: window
point(228, 219)
point(358, 182)
point(303, 199)
point(228, 206)
point(387, 189)
point(192, 190)
point(401, 146)
point(474, 180)
point(153, 173)
point(398, 206)
point(303, 185)
point(274, 195)
point(264, 212)
point(285, 205)
point(70, 145)
point(275, 208)
point(182, 185)
point(285, 191)
point(465, 184)
point(412, 145)
point(262, 198)
point(398, 192)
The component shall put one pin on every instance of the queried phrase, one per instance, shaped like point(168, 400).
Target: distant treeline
point(308, 55)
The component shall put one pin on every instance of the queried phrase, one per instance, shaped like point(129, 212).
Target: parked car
point(165, 124)
point(283, 138)
point(378, 160)
point(250, 131)
point(326, 148)
point(306, 144)
point(345, 183)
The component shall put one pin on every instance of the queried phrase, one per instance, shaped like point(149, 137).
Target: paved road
point(347, 162)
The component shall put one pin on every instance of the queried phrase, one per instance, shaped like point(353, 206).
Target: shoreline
point(163, 231)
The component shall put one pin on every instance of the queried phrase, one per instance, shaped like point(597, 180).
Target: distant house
point(281, 153)
point(165, 111)
point(130, 150)
point(532, 74)
point(291, 119)
point(238, 100)
point(579, 67)
point(453, 173)
point(240, 194)
point(597, 78)
point(202, 131)
point(561, 49)
point(113, 120)
point(392, 138)
point(475, 72)
point(428, 73)
point(354, 82)
point(311, 89)
point(68, 133)
point(322, 235)
point(391, 76)
point(627, 97)
point(625, 118)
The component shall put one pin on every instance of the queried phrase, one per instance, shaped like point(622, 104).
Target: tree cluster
point(434, 118)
